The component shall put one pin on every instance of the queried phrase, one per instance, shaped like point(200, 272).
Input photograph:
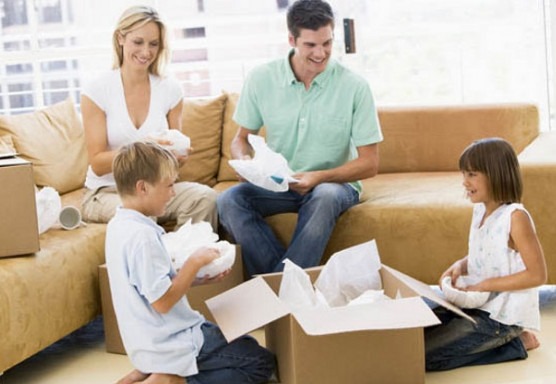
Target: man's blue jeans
point(238, 362)
point(242, 210)
point(458, 342)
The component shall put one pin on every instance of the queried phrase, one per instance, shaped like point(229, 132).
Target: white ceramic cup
point(70, 217)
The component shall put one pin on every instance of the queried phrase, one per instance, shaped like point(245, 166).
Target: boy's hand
point(202, 257)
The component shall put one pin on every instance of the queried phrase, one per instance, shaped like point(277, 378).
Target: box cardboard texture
point(196, 297)
point(19, 231)
point(381, 342)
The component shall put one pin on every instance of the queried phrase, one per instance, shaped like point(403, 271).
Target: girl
point(506, 259)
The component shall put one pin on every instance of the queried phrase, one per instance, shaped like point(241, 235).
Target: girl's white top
point(490, 256)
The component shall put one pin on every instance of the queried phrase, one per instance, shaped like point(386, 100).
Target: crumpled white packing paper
point(190, 237)
point(267, 169)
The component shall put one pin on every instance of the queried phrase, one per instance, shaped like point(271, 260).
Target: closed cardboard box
point(196, 297)
point(19, 231)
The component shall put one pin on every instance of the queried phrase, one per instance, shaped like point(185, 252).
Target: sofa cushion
point(450, 130)
point(53, 140)
point(230, 127)
point(202, 122)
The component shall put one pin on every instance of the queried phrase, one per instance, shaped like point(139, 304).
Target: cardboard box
point(19, 230)
point(381, 342)
point(196, 297)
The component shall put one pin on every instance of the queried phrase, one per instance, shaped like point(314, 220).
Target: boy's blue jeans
point(242, 210)
point(458, 342)
point(239, 362)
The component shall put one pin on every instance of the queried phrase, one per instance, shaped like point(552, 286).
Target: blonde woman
point(134, 102)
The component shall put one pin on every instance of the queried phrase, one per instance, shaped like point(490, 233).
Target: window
point(424, 52)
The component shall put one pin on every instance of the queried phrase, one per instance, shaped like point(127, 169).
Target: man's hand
point(306, 182)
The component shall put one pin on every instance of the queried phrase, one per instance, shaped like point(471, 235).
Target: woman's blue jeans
point(242, 210)
point(458, 342)
point(238, 362)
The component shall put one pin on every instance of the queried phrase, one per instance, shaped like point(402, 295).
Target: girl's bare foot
point(529, 340)
point(134, 376)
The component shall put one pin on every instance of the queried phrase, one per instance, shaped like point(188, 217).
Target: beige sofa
point(415, 208)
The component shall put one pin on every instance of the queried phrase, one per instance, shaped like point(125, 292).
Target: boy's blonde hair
point(146, 161)
point(496, 158)
point(133, 18)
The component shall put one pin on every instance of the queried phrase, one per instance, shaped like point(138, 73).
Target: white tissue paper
point(296, 288)
point(180, 142)
point(350, 273)
point(190, 237)
point(267, 169)
point(370, 296)
point(463, 299)
point(49, 205)
point(350, 276)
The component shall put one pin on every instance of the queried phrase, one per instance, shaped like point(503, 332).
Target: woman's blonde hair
point(495, 158)
point(133, 18)
point(145, 161)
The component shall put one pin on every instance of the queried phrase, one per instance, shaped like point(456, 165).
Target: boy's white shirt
point(140, 272)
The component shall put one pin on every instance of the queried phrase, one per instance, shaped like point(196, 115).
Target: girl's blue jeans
point(242, 210)
point(238, 362)
point(458, 342)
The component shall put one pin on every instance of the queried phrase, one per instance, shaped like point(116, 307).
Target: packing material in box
point(196, 296)
point(19, 231)
point(380, 342)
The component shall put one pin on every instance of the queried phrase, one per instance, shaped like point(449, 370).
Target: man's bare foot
point(134, 376)
point(529, 340)
point(161, 378)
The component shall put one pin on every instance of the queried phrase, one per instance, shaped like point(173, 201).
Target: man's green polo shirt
point(313, 129)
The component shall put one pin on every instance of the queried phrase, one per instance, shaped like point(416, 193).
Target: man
point(321, 117)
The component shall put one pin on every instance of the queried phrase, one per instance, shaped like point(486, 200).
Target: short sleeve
point(366, 127)
point(150, 270)
point(248, 113)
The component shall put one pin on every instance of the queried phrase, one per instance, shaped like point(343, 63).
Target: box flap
point(387, 314)
point(246, 307)
point(424, 290)
point(11, 161)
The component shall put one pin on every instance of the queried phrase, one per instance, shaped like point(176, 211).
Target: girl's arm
point(455, 270)
point(523, 239)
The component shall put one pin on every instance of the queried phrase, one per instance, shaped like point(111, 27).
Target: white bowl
point(221, 264)
point(463, 299)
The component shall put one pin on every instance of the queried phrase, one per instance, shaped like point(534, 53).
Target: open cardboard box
point(19, 230)
point(196, 297)
point(380, 342)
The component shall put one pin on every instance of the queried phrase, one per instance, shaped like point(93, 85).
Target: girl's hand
point(455, 271)
point(479, 287)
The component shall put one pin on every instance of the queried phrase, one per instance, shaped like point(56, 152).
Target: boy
point(165, 339)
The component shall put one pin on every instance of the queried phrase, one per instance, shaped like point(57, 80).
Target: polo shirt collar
point(139, 217)
point(320, 80)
